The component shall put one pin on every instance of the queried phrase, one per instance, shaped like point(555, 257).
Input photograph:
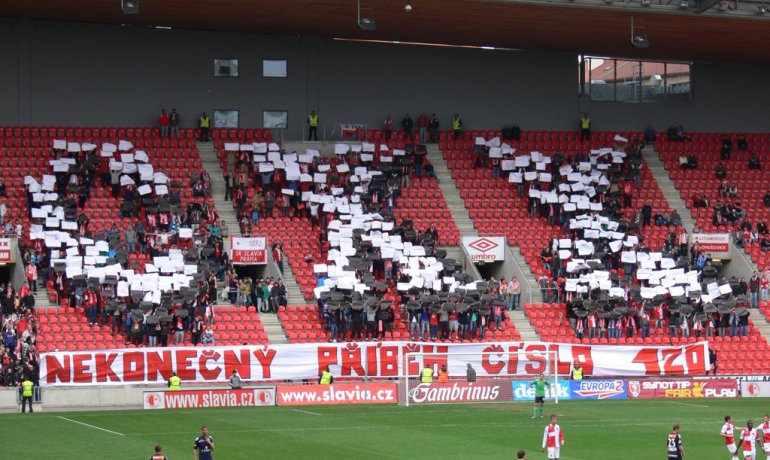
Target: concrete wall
point(56, 73)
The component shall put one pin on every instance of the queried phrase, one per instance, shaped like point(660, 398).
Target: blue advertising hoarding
point(598, 389)
point(523, 392)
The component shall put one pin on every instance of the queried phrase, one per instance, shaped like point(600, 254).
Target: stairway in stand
point(464, 222)
point(211, 163)
point(273, 328)
point(454, 201)
point(666, 185)
point(227, 217)
point(42, 300)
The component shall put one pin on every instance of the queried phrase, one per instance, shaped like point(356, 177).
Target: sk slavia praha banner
point(385, 359)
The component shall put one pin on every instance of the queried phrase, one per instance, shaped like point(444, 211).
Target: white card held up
point(343, 168)
point(141, 155)
point(341, 149)
point(125, 146)
point(144, 190)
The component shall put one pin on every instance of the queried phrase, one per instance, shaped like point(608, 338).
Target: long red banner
point(385, 359)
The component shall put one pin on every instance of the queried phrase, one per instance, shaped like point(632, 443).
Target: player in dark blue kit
point(204, 445)
point(674, 444)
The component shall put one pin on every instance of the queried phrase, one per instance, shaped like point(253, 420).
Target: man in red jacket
point(165, 121)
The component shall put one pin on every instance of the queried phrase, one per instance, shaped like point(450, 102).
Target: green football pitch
point(594, 430)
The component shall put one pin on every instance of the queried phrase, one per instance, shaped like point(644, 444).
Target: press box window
point(226, 118)
point(274, 68)
point(225, 67)
point(275, 119)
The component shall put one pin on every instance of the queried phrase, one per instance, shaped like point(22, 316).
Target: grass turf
point(594, 430)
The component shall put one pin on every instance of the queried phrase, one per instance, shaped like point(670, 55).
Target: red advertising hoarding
point(454, 392)
point(682, 388)
point(341, 393)
point(195, 399)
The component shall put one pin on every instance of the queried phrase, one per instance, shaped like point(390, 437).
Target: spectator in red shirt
point(165, 121)
point(433, 326)
point(422, 123)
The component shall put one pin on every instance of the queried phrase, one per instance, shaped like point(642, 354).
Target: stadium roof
point(599, 28)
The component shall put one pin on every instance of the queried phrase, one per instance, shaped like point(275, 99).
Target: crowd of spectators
point(451, 322)
point(265, 295)
point(19, 358)
point(642, 314)
point(258, 195)
point(156, 224)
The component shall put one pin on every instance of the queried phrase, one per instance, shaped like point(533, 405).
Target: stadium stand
point(419, 199)
point(497, 210)
point(102, 214)
point(741, 214)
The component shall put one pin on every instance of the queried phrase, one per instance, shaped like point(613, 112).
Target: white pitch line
point(90, 426)
point(689, 404)
point(306, 412)
point(369, 427)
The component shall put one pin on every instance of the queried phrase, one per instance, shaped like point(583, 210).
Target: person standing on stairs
point(228, 186)
point(278, 255)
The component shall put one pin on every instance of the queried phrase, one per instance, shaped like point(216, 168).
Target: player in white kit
point(553, 438)
point(749, 440)
point(765, 428)
point(728, 432)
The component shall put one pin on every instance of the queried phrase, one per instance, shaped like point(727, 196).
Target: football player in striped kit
point(728, 432)
point(553, 438)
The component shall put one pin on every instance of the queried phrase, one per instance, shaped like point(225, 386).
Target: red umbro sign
point(485, 248)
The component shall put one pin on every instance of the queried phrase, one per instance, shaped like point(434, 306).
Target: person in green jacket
point(265, 298)
point(540, 384)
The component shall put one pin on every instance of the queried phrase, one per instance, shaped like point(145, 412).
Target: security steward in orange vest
point(443, 375)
